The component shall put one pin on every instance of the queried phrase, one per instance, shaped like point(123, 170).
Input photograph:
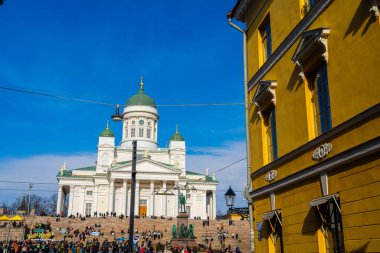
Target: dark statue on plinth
point(183, 233)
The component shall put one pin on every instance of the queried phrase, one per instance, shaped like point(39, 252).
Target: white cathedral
point(161, 172)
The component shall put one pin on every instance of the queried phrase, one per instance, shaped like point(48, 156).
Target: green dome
point(141, 98)
point(176, 136)
point(107, 132)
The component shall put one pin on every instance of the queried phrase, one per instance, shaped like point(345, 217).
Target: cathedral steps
point(146, 224)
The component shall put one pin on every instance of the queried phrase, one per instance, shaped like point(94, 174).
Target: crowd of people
point(92, 239)
point(94, 246)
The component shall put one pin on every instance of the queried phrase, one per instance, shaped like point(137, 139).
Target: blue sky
point(98, 50)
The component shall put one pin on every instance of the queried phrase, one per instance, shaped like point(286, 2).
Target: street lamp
point(116, 117)
point(230, 197)
point(230, 202)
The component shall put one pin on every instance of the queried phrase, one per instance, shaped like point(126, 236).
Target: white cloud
point(43, 168)
point(216, 158)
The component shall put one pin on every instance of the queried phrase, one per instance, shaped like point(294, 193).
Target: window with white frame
point(88, 208)
point(148, 133)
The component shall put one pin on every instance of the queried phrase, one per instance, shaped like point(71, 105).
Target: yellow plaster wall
point(353, 64)
point(359, 187)
point(352, 72)
point(353, 137)
point(299, 221)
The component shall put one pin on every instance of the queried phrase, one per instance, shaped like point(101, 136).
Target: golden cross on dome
point(141, 83)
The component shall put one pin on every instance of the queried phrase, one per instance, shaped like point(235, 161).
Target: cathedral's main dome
point(141, 98)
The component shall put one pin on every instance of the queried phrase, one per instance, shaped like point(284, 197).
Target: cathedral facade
point(161, 172)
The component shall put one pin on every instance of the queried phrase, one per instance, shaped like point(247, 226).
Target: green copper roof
point(176, 136)
point(193, 173)
point(210, 180)
point(141, 98)
point(107, 132)
point(90, 168)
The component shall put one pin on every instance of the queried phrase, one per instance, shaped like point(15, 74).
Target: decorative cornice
point(309, 18)
point(64, 179)
point(145, 172)
point(240, 9)
point(337, 161)
point(354, 121)
point(117, 168)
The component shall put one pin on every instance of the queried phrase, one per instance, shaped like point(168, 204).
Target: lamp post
point(30, 188)
point(117, 117)
point(132, 207)
point(185, 187)
point(230, 202)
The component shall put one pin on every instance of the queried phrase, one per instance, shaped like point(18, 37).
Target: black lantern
point(117, 116)
point(230, 197)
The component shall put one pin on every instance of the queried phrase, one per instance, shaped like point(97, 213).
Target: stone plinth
point(183, 243)
point(183, 218)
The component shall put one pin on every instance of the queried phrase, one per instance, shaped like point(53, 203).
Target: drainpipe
point(247, 133)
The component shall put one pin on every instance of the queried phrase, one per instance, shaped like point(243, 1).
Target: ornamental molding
point(374, 10)
point(281, 50)
point(271, 175)
point(311, 49)
point(322, 151)
point(265, 96)
point(353, 122)
point(354, 154)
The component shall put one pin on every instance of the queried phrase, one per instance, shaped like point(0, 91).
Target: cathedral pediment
point(146, 165)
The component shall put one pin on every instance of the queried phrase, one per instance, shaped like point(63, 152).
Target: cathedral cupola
point(177, 136)
point(140, 121)
point(141, 98)
point(177, 151)
point(106, 150)
point(107, 132)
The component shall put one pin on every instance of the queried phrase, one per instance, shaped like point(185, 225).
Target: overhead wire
point(47, 183)
point(51, 95)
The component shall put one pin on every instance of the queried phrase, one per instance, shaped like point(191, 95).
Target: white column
point(213, 205)
point(129, 201)
point(83, 201)
point(124, 197)
point(175, 204)
point(95, 195)
point(59, 199)
point(71, 201)
point(151, 198)
point(111, 199)
point(164, 198)
point(137, 199)
point(208, 205)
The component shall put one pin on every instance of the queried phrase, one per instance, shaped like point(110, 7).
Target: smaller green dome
point(107, 132)
point(176, 136)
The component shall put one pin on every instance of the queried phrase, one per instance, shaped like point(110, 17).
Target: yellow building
point(313, 92)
